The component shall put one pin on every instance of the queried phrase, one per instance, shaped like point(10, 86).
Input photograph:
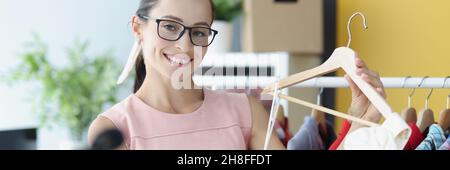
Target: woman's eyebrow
point(203, 23)
point(173, 17)
point(181, 20)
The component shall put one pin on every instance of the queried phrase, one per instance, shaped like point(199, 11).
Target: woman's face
point(165, 56)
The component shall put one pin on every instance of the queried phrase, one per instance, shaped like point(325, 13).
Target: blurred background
point(62, 26)
point(60, 59)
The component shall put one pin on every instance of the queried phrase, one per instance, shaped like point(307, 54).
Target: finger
point(353, 87)
point(367, 71)
point(359, 71)
point(360, 63)
point(373, 81)
point(351, 82)
point(370, 77)
point(382, 92)
point(371, 73)
point(378, 85)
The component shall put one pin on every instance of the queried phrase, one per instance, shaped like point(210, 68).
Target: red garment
point(345, 128)
point(416, 137)
point(287, 135)
point(286, 130)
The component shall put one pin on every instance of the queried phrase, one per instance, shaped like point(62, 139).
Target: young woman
point(159, 116)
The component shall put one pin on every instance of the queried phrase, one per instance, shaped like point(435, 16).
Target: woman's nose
point(184, 43)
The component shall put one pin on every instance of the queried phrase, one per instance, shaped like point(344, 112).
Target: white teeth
point(183, 62)
point(177, 61)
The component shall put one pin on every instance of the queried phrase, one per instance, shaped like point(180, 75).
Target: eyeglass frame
point(158, 21)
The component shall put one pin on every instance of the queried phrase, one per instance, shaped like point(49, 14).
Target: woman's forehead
point(190, 11)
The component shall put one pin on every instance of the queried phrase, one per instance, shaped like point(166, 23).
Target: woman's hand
point(361, 107)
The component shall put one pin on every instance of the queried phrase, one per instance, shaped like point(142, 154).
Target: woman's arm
point(260, 119)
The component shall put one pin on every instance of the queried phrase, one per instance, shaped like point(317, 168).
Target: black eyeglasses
point(172, 31)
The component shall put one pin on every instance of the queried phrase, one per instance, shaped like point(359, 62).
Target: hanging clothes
point(393, 134)
point(341, 135)
point(425, 132)
point(382, 137)
point(434, 139)
point(282, 126)
point(446, 145)
point(283, 132)
point(416, 137)
point(309, 137)
point(330, 136)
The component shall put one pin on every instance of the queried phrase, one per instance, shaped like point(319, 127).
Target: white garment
point(393, 134)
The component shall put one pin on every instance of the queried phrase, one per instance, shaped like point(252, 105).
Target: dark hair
point(144, 9)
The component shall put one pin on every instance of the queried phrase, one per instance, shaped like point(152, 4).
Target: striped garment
point(434, 139)
point(446, 145)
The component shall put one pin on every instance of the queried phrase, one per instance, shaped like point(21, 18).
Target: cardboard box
point(296, 27)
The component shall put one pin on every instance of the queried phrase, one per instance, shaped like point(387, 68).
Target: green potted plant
point(71, 96)
point(226, 12)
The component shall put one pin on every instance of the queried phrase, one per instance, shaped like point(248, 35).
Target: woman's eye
point(170, 27)
point(199, 34)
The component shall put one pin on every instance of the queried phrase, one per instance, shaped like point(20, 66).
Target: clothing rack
point(389, 82)
point(320, 82)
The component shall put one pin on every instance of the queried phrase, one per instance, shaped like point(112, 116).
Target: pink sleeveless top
point(223, 122)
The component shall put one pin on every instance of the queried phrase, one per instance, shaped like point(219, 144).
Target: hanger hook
point(423, 79)
point(429, 94)
point(428, 97)
point(350, 23)
point(404, 81)
point(448, 101)
point(443, 86)
point(413, 91)
point(410, 95)
point(445, 81)
point(420, 85)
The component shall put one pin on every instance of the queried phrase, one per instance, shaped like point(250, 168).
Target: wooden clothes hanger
point(273, 116)
point(409, 114)
point(344, 58)
point(426, 116)
point(444, 118)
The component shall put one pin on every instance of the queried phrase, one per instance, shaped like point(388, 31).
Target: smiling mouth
point(178, 60)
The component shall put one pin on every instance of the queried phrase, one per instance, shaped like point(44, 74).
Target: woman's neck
point(157, 91)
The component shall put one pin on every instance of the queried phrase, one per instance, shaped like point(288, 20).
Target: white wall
point(104, 23)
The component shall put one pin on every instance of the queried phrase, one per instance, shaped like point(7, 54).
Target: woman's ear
point(136, 25)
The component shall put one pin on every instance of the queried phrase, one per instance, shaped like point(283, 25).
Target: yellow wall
point(405, 37)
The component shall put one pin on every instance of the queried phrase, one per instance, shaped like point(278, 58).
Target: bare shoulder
point(260, 118)
point(256, 107)
point(99, 125)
